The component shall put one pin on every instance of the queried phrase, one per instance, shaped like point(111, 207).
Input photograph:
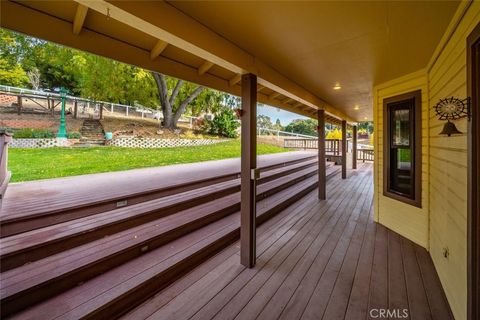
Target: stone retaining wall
point(133, 142)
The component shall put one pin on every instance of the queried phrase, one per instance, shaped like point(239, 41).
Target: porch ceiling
point(298, 50)
point(320, 43)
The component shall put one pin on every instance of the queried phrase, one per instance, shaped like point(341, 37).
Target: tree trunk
point(170, 118)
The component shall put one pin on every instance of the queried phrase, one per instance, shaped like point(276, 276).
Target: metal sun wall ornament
point(452, 109)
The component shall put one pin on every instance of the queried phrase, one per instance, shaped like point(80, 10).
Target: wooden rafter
point(205, 67)
point(158, 49)
point(79, 19)
point(260, 88)
point(274, 95)
point(236, 79)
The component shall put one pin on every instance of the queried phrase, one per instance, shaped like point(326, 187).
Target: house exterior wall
point(409, 221)
point(441, 223)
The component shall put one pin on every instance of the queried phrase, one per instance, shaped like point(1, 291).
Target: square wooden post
point(344, 149)
point(354, 148)
point(248, 170)
point(322, 178)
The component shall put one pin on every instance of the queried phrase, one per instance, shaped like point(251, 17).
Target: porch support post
point(344, 149)
point(248, 170)
point(354, 148)
point(322, 179)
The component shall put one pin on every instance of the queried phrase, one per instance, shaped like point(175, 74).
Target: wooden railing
point(332, 146)
point(301, 143)
point(365, 155)
point(5, 138)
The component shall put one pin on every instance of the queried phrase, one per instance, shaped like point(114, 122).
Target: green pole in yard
point(62, 131)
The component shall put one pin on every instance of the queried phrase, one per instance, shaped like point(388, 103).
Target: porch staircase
point(92, 133)
point(100, 260)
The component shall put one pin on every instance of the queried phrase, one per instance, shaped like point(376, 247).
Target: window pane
point(403, 159)
point(401, 127)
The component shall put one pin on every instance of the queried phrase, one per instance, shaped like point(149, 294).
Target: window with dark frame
point(402, 148)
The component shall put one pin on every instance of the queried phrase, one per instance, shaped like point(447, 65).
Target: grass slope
point(34, 164)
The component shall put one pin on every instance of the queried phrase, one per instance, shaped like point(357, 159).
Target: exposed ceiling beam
point(163, 21)
point(288, 100)
point(298, 104)
point(48, 27)
point(205, 67)
point(158, 49)
point(260, 88)
point(79, 19)
point(274, 95)
point(236, 79)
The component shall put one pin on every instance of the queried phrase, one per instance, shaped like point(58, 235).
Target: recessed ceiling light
point(337, 87)
point(356, 108)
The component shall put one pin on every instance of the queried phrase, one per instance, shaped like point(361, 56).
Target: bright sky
point(274, 113)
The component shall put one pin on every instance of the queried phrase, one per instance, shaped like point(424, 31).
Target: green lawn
point(34, 164)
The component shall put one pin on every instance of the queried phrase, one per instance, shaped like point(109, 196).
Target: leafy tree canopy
point(90, 76)
point(303, 126)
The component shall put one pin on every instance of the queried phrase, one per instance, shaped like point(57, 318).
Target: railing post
point(248, 170)
point(354, 148)
point(5, 138)
point(322, 185)
point(344, 149)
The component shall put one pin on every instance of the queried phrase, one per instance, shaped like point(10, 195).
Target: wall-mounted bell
point(449, 129)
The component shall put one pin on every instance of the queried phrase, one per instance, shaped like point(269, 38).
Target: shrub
point(28, 133)
point(74, 135)
point(224, 124)
point(334, 134)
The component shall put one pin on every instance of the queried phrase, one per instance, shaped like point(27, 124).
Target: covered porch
point(317, 241)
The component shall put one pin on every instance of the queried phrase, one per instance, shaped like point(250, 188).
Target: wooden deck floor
point(33, 197)
point(316, 260)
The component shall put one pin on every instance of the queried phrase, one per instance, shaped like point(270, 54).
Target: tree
point(278, 125)
point(173, 108)
point(264, 122)
point(303, 126)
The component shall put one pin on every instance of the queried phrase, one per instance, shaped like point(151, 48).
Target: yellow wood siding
point(442, 220)
point(447, 77)
point(409, 221)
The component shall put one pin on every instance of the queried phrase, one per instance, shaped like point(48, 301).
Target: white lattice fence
point(41, 143)
point(132, 142)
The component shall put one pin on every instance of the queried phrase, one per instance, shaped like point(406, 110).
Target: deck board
point(316, 260)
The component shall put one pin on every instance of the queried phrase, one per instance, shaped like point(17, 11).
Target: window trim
point(416, 148)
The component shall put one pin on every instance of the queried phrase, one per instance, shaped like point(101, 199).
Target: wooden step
point(125, 246)
point(13, 224)
point(37, 244)
point(127, 285)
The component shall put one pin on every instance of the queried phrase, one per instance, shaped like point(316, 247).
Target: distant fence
point(80, 107)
